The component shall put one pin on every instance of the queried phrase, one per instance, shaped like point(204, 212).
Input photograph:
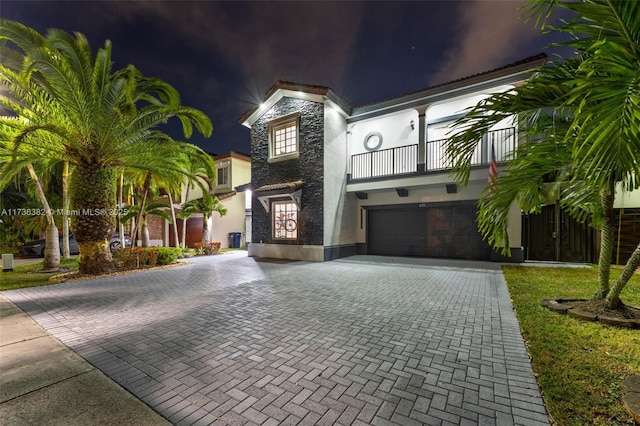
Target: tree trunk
point(175, 223)
point(52, 243)
point(144, 232)
point(184, 221)
point(206, 233)
point(607, 233)
point(93, 195)
point(51, 248)
point(613, 298)
point(145, 193)
point(123, 243)
point(66, 253)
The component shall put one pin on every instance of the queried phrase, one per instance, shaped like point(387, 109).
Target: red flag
point(493, 168)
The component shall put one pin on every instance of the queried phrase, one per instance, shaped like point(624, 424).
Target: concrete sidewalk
point(42, 382)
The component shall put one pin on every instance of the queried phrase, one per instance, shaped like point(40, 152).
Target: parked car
point(36, 248)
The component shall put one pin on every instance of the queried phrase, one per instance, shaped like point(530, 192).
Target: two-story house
point(233, 169)
point(330, 180)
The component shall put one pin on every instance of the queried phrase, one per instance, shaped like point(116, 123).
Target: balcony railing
point(404, 159)
point(503, 140)
point(386, 162)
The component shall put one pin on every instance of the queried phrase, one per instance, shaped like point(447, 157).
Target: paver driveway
point(362, 340)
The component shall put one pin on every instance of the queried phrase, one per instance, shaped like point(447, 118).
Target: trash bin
point(234, 239)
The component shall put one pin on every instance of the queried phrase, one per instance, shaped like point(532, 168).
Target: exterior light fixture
point(413, 124)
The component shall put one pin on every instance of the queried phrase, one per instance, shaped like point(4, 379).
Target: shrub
point(136, 257)
point(167, 255)
point(211, 248)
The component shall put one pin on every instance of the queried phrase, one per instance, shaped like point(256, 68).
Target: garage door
point(434, 231)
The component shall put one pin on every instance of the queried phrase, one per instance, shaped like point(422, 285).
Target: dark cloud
point(488, 34)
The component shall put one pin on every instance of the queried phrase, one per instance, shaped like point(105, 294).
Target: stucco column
point(422, 140)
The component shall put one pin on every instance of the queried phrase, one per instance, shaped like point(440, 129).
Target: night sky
point(223, 56)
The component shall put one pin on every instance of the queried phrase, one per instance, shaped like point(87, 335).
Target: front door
point(553, 235)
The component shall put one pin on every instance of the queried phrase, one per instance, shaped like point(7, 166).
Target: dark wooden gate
point(553, 235)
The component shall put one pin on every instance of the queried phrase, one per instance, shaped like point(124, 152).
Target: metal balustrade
point(404, 159)
point(386, 162)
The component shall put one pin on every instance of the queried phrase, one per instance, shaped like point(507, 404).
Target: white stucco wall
point(338, 206)
point(233, 221)
point(626, 199)
point(395, 129)
point(458, 105)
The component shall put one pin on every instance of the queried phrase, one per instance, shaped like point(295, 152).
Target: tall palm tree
point(207, 205)
point(106, 121)
point(12, 163)
point(584, 128)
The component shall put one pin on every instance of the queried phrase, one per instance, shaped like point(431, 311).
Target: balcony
point(405, 160)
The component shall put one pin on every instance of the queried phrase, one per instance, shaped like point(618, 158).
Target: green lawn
point(579, 365)
point(28, 275)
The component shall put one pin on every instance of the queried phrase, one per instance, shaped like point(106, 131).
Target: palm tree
point(584, 129)
point(202, 176)
point(12, 163)
point(154, 208)
point(106, 121)
point(206, 205)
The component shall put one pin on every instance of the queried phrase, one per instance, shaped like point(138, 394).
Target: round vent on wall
point(373, 141)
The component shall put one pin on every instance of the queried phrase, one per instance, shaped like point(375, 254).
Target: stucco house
point(330, 180)
point(232, 169)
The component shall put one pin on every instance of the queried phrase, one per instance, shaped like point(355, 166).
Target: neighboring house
point(232, 169)
point(330, 180)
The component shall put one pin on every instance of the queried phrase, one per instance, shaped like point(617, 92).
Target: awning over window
point(284, 190)
point(226, 195)
point(290, 186)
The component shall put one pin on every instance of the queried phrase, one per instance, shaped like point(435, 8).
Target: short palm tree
point(207, 205)
point(106, 121)
point(150, 209)
point(583, 127)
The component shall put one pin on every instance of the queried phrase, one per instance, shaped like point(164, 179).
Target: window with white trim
point(222, 174)
point(284, 138)
point(285, 220)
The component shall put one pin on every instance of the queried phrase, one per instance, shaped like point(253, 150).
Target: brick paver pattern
point(362, 340)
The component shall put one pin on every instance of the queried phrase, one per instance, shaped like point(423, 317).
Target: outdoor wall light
point(413, 124)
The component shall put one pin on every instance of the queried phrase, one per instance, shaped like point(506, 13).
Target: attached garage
point(426, 230)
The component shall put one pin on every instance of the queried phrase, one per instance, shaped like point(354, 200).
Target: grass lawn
point(27, 275)
point(579, 365)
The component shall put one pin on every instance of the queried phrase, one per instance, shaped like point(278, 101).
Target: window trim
point(223, 166)
point(295, 221)
point(277, 124)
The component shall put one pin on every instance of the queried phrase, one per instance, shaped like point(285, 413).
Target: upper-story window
point(222, 174)
point(284, 137)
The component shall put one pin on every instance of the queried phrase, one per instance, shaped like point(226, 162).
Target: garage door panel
point(434, 231)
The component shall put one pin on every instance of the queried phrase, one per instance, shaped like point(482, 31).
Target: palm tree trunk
point(145, 192)
point(93, 194)
point(66, 253)
point(175, 224)
point(144, 230)
point(206, 233)
point(613, 298)
point(184, 221)
point(607, 235)
point(120, 203)
point(52, 244)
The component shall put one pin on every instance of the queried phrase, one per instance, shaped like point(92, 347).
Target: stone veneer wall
point(307, 168)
